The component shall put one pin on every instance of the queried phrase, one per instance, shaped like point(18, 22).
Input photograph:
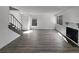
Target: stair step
point(15, 29)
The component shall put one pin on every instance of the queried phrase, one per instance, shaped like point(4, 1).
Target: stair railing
point(15, 22)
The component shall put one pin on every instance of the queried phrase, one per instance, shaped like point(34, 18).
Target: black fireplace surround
point(72, 34)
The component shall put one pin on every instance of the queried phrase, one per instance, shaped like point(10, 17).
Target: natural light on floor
point(62, 37)
point(29, 31)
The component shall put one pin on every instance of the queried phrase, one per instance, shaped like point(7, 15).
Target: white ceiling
point(42, 9)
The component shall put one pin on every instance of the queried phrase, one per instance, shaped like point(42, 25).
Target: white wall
point(26, 22)
point(6, 35)
point(71, 16)
point(44, 21)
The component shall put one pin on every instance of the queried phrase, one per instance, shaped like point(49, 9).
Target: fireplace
point(72, 34)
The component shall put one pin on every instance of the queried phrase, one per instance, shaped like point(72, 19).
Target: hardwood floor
point(40, 41)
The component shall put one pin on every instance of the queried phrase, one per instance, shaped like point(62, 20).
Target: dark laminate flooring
point(39, 41)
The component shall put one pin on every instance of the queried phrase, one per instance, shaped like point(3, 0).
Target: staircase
point(14, 24)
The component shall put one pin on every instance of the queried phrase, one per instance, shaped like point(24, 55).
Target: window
point(57, 19)
point(34, 22)
point(60, 20)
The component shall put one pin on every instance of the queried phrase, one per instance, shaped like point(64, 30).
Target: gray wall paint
point(6, 35)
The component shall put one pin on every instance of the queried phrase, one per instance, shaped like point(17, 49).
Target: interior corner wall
point(6, 35)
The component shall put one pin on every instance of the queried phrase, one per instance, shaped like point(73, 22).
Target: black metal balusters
point(15, 24)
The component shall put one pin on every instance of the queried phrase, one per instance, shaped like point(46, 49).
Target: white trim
point(62, 37)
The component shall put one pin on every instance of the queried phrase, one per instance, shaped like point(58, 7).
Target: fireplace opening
point(72, 34)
